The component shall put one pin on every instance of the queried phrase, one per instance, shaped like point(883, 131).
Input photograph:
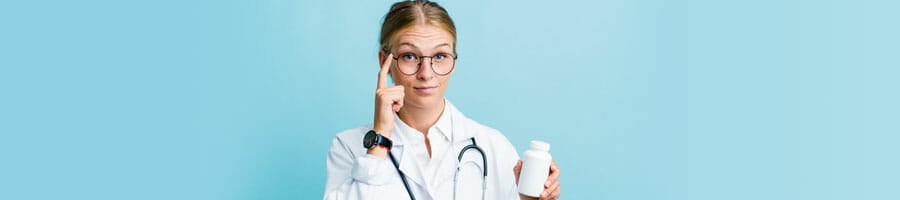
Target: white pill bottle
point(535, 169)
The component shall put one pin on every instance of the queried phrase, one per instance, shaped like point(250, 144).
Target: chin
point(427, 101)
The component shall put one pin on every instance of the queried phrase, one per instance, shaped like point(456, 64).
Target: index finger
point(382, 74)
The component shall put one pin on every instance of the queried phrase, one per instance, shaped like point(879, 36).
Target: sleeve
point(355, 176)
point(505, 165)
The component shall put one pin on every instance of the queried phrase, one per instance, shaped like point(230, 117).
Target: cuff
point(373, 170)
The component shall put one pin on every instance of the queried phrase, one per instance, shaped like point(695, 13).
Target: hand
point(551, 187)
point(388, 100)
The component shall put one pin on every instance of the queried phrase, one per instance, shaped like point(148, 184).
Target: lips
point(426, 89)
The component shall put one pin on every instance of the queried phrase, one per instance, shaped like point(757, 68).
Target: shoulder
point(486, 131)
point(492, 137)
point(475, 127)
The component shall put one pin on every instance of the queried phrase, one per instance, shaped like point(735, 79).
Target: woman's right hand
point(388, 100)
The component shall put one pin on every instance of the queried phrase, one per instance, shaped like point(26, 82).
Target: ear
point(381, 58)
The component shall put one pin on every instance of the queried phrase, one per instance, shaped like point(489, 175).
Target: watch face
point(369, 139)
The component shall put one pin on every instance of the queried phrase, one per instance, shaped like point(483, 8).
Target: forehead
point(423, 36)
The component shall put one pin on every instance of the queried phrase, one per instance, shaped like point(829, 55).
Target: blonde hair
point(405, 14)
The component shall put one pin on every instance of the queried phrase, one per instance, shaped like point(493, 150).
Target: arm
point(355, 176)
point(360, 176)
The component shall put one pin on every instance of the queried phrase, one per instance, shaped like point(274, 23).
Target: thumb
point(517, 170)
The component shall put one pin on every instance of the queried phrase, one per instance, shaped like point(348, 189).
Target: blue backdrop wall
point(641, 99)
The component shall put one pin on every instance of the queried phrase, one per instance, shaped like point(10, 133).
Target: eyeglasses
point(441, 63)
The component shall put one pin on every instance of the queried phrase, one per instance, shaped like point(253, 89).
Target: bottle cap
point(540, 145)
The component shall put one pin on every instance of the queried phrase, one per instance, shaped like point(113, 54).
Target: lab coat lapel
point(407, 164)
point(460, 125)
point(460, 139)
point(448, 166)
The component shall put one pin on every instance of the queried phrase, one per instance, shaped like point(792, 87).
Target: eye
point(441, 56)
point(409, 57)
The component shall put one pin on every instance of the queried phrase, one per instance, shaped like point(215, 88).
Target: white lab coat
point(353, 174)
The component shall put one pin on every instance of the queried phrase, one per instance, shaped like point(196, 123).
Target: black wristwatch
point(373, 138)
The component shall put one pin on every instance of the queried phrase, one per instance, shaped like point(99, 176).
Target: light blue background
point(640, 99)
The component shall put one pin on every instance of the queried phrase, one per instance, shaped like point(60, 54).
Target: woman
point(416, 133)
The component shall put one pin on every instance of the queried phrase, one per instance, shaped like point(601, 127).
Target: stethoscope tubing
point(402, 176)
point(473, 146)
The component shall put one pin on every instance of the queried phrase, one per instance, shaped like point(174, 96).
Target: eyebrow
point(416, 47)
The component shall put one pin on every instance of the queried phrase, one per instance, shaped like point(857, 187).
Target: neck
point(421, 118)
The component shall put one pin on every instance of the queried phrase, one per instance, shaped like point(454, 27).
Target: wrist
point(377, 144)
point(383, 131)
point(378, 151)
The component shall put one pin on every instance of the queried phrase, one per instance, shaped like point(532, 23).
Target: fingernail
point(547, 184)
point(544, 194)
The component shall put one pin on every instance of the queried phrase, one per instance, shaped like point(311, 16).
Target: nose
point(426, 69)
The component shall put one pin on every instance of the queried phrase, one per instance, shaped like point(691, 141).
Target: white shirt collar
point(444, 123)
point(444, 126)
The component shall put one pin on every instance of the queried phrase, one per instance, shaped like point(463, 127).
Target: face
point(425, 88)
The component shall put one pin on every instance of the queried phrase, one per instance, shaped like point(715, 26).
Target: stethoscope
point(459, 164)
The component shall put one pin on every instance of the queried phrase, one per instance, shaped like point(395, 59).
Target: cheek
point(400, 79)
point(445, 81)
